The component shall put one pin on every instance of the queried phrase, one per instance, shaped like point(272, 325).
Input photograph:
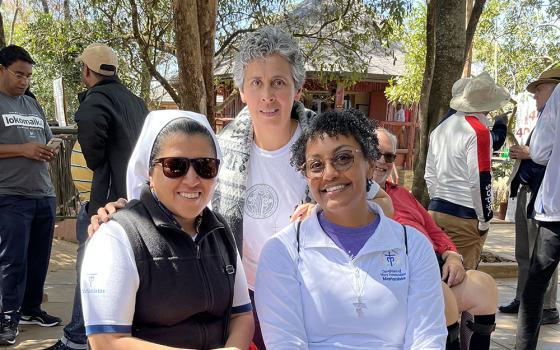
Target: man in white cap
point(109, 119)
point(544, 150)
point(458, 166)
point(525, 181)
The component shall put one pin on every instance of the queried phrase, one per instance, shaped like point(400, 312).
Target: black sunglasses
point(389, 157)
point(174, 167)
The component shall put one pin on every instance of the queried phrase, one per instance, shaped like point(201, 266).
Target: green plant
point(501, 170)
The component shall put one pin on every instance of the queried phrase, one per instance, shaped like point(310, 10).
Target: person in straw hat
point(458, 166)
point(544, 150)
point(525, 180)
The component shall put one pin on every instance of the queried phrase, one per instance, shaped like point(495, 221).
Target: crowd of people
point(282, 232)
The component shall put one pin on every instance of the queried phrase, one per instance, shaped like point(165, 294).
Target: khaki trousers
point(464, 234)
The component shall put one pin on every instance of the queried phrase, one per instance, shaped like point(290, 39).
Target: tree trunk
point(192, 87)
point(418, 183)
point(66, 6)
point(2, 34)
point(450, 37)
point(45, 6)
point(13, 26)
point(195, 27)
point(145, 84)
point(207, 25)
point(145, 53)
point(468, 56)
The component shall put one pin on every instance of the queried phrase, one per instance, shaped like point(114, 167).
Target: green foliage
point(54, 44)
point(516, 41)
point(523, 32)
point(336, 35)
point(412, 36)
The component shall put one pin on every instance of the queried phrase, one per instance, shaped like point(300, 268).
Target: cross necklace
point(358, 285)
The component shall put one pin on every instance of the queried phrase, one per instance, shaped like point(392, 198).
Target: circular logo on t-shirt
point(261, 201)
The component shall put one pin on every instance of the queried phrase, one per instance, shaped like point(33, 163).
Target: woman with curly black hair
point(348, 276)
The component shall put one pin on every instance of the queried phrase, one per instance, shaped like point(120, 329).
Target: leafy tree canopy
point(515, 41)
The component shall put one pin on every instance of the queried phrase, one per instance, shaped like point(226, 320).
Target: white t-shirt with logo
point(274, 190)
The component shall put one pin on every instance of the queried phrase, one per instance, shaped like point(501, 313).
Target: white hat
point(137, 172)
point(100, 58)
point(478, 94)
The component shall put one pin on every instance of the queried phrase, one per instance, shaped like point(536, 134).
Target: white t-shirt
point(109, 282)
point(274, 189)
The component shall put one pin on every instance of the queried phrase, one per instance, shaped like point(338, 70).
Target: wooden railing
point(67, 200)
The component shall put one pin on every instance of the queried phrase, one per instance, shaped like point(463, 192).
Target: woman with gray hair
point(257, 188)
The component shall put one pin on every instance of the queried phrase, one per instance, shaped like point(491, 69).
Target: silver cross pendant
point(359, 306)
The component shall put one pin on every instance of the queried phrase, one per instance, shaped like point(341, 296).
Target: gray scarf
point(236, 141)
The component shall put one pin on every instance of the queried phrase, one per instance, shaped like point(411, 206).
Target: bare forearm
point(123, 342)
point(11, 150)
point(241, 331)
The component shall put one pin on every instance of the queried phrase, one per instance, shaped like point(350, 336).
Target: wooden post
point(339, 97)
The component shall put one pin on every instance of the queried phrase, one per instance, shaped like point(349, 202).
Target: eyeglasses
point(174, 167)
point(389, 157)
point(342, 161)
point(18, 76)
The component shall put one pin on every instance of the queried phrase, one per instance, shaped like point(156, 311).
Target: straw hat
point(551, 75)
point(478, 94)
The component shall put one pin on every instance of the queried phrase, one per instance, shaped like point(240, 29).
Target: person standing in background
point(524, 182)
point(108, 113)
point(27, 198)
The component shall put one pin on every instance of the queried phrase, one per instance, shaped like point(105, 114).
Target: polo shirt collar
point(384, 238)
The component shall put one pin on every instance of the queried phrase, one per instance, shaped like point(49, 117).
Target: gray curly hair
point(265, 42)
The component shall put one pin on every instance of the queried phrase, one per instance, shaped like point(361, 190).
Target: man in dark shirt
point(110, 118)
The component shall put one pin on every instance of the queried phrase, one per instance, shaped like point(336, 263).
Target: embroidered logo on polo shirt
point(391, 258)
point(391, 262)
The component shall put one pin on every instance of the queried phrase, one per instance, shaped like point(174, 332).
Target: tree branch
point(230, 39)
point(146, 57)
point(473, 22)
point(14, 22)
point(227, 101)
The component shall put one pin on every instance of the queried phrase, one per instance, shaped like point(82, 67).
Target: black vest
point(186, 287)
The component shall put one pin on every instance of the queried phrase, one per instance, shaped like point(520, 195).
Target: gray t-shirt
point(22, 120)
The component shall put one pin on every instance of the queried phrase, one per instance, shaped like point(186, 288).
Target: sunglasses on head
point(174, 167)
point(389, 157)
